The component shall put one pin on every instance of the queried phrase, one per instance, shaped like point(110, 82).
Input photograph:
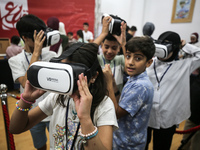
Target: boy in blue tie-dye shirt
point(135, 102)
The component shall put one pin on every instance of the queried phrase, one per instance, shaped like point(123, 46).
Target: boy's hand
point(105, 24)
point(105, 29)
point(108, 74)
point(122, 38)
point(38, 41)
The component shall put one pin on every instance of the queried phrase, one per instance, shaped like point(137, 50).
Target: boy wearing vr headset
point(137, 95)
point(171, 103)
point(111, 45)
point(84, 119)
point(27, 27)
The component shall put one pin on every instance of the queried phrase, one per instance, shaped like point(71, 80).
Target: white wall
point(138, 12)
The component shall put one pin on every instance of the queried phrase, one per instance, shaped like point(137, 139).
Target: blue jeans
point(38, 133)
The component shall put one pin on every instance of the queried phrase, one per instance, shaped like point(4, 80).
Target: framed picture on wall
point(182, 11)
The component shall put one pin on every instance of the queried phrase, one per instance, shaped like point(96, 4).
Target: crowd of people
point(128, 96)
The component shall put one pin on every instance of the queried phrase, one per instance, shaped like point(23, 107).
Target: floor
point(24, 141)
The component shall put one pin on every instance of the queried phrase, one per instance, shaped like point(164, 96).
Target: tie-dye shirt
point(136, 99)
point(104, 115)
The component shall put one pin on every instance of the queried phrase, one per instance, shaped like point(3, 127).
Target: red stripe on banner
point(72, 13)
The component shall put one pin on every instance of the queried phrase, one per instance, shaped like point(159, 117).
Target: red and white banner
point(73, 13)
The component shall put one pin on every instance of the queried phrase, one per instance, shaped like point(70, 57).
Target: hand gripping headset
point(59, 77)
point(52, 36)
point(115, 24)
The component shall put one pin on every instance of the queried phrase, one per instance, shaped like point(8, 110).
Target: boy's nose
point(109, 50)
point(131, 61)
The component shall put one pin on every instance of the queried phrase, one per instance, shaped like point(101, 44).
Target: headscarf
point(53, 23)
point(195, 34)
point(148, 28)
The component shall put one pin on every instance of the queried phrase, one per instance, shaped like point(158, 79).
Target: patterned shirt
point(136, 99)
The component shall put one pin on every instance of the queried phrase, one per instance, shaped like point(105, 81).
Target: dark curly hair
point(143, 44)
point(28, 23)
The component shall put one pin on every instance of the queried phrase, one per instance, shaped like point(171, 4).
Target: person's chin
point(109, 58)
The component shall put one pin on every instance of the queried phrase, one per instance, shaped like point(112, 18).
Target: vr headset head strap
point(89, 72)
point(163, 37)
point(67, 53)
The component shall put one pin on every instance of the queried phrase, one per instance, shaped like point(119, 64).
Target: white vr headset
point(163, 50)
point(59, 77)
point(163, 46)
point(52, 37)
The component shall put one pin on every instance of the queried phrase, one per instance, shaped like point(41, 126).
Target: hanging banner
point(72, 13)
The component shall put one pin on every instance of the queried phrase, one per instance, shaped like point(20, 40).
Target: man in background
point(132, 30)
point(13, 49)
point(88, 35)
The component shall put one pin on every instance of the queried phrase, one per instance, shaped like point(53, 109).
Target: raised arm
point(122, 38)
point(22, 119)
point(105, 30)
point(120, 112)
point(83, 106)
point(38, 43)
point(194, 51)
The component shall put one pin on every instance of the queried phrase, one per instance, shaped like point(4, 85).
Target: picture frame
point(182, 11)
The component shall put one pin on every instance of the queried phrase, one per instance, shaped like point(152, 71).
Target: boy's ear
point(25, 38)
point(149, 62)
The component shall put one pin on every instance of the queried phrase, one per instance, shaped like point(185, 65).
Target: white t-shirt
point(104, 115)
point(19, 65)
point(87, 35)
